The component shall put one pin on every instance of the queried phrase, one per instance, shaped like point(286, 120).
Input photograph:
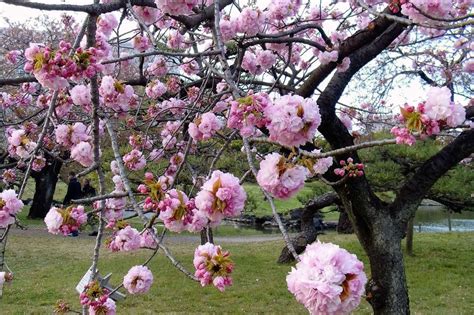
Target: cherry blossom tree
point(155, 84)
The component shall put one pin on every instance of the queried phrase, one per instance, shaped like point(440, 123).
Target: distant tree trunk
point(45, 181)
point(308, 232)
point(344, 225)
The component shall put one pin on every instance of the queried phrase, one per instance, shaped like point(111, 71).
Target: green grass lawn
point(47, 268)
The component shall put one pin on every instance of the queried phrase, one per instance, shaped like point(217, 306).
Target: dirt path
point(40, 232)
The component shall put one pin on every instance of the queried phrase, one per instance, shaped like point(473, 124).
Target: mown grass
point(47, 268)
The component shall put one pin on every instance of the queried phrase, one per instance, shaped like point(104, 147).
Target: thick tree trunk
point(45, 181)
point(386, 290)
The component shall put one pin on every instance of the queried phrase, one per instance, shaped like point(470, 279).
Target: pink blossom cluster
point(293, 120)
point(175, 161)
point(327, 279)
point(53, 68)
point(322, 165)
point(141, 43)
point(146, 238)
point(258, 63)
point(97, 299)
point(155, 89)
point(138, 280)
point(9, 176)
point(220, 197)
point(190, 66)
point(417, 10)
point(134, 160)
point(65, 221)
point(403, 136)
point(148, 15)
point(106, 23)
point(179, 213)
point(176, 40)
point(140, 142)
point(83, 153)
point(204, 127)
point(328, 56)
point(247, 113)
point(81, 96)
point(39, 162)
point(158, 67)
point(250, 21)
point(213, 265)
point(168, 134)
point(439, 107)
point(116, 95)
point(173, 105)
point(173, 85)
point(430, 116)
point(20, 143)
point(155, 189)
point(278, 10)
point(280, 178)
point(10, 205)
point(176, 7)
point(352, 169)
point(70, 135)
point(13, 56)
point(125, 239)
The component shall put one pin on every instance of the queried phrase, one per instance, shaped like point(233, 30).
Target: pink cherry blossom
point(176, 210)
point(327, 279)
point(134, 160)
point(138, 280)
point(176, 7)
point(13, 56)
point(10, 205)
point(81, 95)
point(106, 23)
point(281, 179)
point(155, 89)
point(19, 143)
point(158, 67)
point(126, 239)
point(190, 66)
point(148, 15)
point(141, 43)
point(250, 21)
point(38, 163)
point(213, 265)
point(106, 308)
point(9, 176)
point(66, 220)
point(293, 120)
point(221, 196)
point(280, 9)
point(247, 113)
point(344, 65)
point(328, 56)
point(147, 240)
point(83, 154)
point(228, 28)
point(403, 136)
point(204, 127)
